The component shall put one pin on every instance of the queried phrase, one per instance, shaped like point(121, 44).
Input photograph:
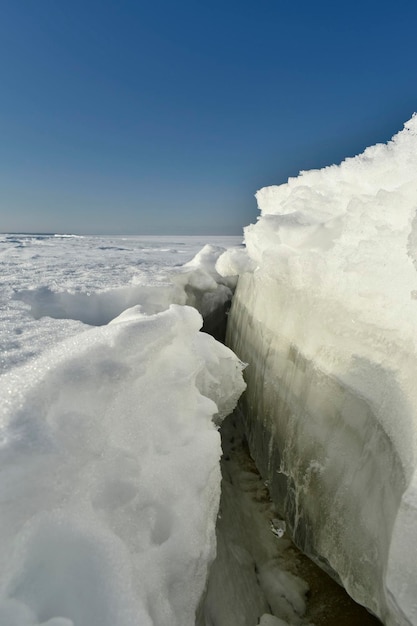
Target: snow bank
point(325, 313)
point(110, 480)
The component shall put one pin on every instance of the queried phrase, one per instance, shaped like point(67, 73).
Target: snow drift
point(110, 479)
point(325, 314)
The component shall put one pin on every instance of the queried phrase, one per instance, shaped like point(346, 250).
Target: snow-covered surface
point(325, 313)
point(53, 284)
point(109, 473)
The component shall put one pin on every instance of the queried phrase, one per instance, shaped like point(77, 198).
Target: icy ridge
point(325, 314)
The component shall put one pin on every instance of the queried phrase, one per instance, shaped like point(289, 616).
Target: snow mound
point(110, 477)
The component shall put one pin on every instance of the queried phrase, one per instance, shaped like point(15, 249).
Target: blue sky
point(165, 117)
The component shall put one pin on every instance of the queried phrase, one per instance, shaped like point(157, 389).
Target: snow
point(324, 313)
point(109, 454)
point(74, 279)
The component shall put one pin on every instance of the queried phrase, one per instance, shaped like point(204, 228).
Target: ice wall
point(325, 314)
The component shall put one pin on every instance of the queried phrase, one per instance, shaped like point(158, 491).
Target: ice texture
point(325, 314)
point(109, 473)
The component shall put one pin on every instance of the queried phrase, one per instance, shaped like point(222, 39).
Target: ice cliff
point(325, 315)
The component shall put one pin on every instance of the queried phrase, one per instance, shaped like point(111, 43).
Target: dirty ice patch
point(109, 474)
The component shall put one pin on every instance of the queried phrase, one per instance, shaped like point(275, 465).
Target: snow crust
point(110, 480)
point(325, 314)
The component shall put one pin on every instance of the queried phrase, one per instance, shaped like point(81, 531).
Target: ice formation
point(110, 480)
point(325, 314)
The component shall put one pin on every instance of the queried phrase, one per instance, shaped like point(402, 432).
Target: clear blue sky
point(166, 116)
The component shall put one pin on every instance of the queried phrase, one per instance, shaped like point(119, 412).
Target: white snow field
point(325, 313)
point(109, 455)
point(51, 283)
